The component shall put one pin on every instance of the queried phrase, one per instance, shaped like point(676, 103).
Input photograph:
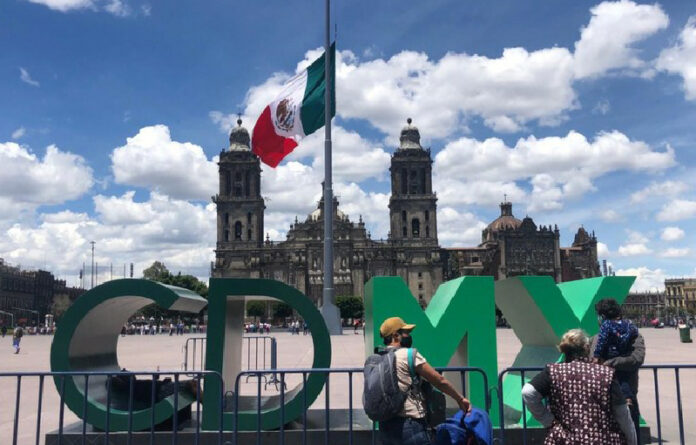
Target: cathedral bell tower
point(239, 202)
point(412, 208)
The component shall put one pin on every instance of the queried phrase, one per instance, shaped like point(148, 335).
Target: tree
point(281, 310)
point(157, 272)
point(256, 309)
point(61, 303)
point(350, 306)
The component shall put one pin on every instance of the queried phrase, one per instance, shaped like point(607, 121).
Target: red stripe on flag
point(268, 145)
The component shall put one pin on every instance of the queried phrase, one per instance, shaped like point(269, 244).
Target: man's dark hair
point(608, 308)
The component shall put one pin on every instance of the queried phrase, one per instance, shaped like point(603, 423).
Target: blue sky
point(114, 113)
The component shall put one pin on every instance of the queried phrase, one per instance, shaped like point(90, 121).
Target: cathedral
point(509, 246)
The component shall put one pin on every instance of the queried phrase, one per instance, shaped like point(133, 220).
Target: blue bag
point(473, 429)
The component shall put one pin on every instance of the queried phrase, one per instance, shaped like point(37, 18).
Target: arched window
point(405, 232)
point(415, 227)
point(249, 234)
point(403, 215)
point(427, 231)
point(404, 181)
point(238, 230)
point(248, 217)
point(228, 184)
point(227, 219)
point(227, 235)
point(427, 215)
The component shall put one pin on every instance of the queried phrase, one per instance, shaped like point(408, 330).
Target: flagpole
point(328, 308)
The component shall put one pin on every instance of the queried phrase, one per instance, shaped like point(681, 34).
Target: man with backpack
point(17, 337)
point(394, 394)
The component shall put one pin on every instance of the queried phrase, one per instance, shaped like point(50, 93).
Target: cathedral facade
point(509, 246)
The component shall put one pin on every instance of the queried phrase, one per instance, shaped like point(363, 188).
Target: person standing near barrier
point(3, 330)
point(17, 337)
point(585, 403)
point(409, 426)
point(629, 364)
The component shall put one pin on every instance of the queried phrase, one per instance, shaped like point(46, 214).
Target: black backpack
point(382, 398)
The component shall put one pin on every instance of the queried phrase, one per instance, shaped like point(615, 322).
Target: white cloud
point(634, 249)
point(610, 215)
point(606, 43)
point(27, 181)
point(602, 250)
point(18, 133)
point(602, 107)
point(676, 210)
point(177, 232)
point(646, 279)
point(116, 7)
point(556, 168)
point(666, 188)
point(681, 58)
point(672, 234)
point(674, 252)
point(458, 229)
point(635, 237)
point(25, 77)
point(151, 159)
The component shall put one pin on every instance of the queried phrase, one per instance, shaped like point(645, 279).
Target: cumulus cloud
point(27, 181)
point(25, 77)
point(634, 250)
point(676, 210)
point(658, 189)
point(151, 159)
point(180, 233)
point(458, 229)
point(680, 59)
point(672, 234)
point(606, 43)
point(646, 279)
point(602, 250)
point(674, 252)
point(556, 168)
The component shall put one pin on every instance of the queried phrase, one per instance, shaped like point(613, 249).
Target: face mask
point(406, 342)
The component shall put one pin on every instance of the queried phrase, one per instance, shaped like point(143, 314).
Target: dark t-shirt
point(542, 383)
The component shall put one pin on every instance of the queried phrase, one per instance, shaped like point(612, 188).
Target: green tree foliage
point(256, 309)
point(281, 310)
point(350, 306)
point(159, 272)
point(60, 304)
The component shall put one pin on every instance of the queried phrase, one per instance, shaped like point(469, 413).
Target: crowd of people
point(590, 397)
point(142, 326)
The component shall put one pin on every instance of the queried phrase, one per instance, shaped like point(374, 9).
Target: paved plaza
point(148, 353)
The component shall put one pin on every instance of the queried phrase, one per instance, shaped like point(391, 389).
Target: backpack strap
point(411, 368)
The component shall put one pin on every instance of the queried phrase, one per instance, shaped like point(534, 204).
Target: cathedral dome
point(410, 137)
point(239, 138)
point(505, 221)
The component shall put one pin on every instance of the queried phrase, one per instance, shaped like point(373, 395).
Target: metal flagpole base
point(332, 318)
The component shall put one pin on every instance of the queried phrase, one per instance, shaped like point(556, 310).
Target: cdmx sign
point(456, 329)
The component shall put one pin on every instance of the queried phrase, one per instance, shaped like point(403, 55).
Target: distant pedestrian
point(17, 338)
point(3, 331)
point(305, 328)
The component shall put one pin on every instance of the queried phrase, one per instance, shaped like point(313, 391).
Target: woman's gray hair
point(575, 343)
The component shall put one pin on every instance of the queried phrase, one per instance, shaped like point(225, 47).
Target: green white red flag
point(298, 111)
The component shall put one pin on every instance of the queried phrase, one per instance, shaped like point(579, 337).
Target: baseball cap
point(393, 324)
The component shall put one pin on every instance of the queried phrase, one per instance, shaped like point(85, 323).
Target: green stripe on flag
point(312, 113)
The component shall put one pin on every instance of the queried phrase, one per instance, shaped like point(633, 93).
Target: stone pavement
point(148, 353)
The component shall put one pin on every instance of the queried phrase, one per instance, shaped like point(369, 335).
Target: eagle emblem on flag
point(285, 114)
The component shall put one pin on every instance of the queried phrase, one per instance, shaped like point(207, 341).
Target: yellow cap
point(393, 324)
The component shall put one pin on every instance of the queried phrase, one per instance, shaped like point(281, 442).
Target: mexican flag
point(297, 112)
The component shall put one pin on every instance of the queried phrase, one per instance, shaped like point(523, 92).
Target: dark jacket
point(630, 363)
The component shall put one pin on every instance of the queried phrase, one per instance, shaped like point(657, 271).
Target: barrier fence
point(261, 352)
point(121, 400)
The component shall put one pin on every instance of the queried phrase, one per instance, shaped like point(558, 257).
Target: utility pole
point(92, 285)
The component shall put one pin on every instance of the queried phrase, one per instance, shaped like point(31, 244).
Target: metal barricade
point(645, 369)
point(330, 377)
point(106, 390)
point(261, 353)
